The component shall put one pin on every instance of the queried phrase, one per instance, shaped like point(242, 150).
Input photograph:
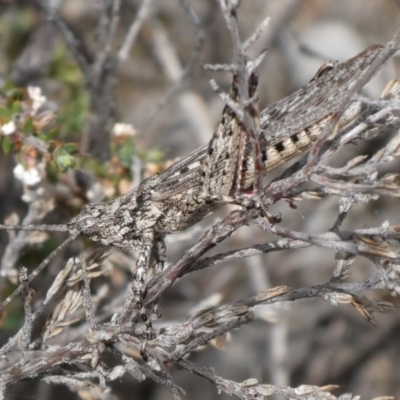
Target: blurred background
point(308, 342)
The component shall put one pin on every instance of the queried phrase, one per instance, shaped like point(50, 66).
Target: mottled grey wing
point(305, 107)
point(319, 98)
point(180, 176)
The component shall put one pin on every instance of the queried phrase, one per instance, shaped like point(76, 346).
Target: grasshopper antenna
point(45, 228)
point(42, 265)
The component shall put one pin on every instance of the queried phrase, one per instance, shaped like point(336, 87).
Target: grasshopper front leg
point(134, 299)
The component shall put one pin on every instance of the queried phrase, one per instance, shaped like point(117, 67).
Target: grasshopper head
point(88, 221)
point(111, 223)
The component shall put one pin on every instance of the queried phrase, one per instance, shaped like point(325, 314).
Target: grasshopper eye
point(86, 224)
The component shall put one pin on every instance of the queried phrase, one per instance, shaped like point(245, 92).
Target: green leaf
point(64, 160)
point(16, 107)
point(5, 113)
point(8, 86)
point(52, 172)
point(70, 148)
point(17, 94)
point(6, 145)
point(42, 136)
point(124, 152)
point(27, 129)
point(155, 156)
point(94, 166)
point(52, 134)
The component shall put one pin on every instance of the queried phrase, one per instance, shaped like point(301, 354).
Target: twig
point(144, 13)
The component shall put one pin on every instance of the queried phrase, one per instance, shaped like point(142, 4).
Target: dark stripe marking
point(294, 138)
point(279, 147)
point(264, 155)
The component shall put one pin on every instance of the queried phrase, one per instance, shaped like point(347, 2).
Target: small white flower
point(28, 177)
point(8, 128)
point(35, 93)
point(120, 129)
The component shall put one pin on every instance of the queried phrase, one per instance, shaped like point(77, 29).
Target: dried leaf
point(249, 382)
point(338, 297)
point(375, 246)
point(343, 263)
point(70, 302)
point(60, 279)
point(265, 390)
point(271, 293)
point(391, 90)
point(309, 389)
point(117, 373)
point(231, 311)
point(354, 162)
point(220, 341)
point(363, 310)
